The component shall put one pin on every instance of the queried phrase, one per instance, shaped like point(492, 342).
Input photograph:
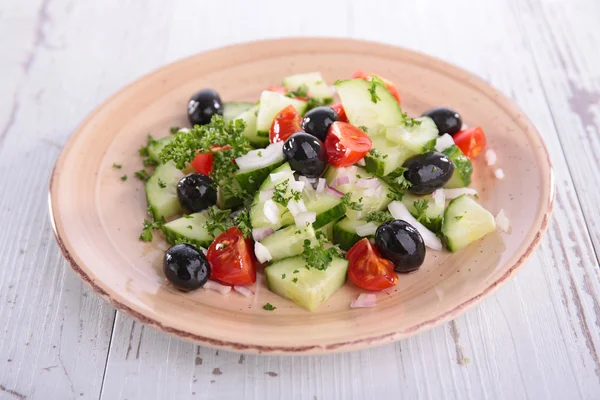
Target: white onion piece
point(203, 250)
point(378, 191)
point(217, 287)
point(340, 180)
point(262, 253)
point(367, 229)
point(368, 183)
point(269, 155)
point(369, 192)
point(266, 194)
point(259, 234)
point(399, 211)
point(361, 162)
point(278, 176)
point(454, 193)
point(297, 185)
point(443, 142)
point(348, 171)
point(304, 219)
point(334, 192)
point(358, 214)
point(296, 207)
point(184, 130)
point(502, 222)
point(490, 157)
point(439, 197)
point(306, 179)
point(321, 185)
point(364, 300)
point(271, 211)
point(499, 173)
point(244, 291)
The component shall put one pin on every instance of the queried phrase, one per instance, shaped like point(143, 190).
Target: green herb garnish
point(421, 207)
point(295, 280)
point(373, 90)
point(242, 221)
point(174, 129)
point(124, 178)
point(142, 175)
point(353, 205)
point(316, 255)
point(379, 217)
point(117, 166)
point(217, 221)
point(282, 276)
point(364, 129)
point(269, 307)
point(161, 183)
point(187, 216)
point(148, 226)
point(279, 196)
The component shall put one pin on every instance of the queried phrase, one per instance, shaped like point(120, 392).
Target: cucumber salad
point(311, 185)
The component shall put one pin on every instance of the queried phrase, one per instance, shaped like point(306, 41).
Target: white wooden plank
point(536, 338)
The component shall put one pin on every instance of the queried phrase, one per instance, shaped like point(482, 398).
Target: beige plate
point(97, 217)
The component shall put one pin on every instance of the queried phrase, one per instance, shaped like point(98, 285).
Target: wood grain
point(536, 338)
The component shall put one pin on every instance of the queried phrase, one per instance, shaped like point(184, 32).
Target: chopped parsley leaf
point(190, 227)
point(174, 129)
point(144, 149)
point(317, 256)
point(279, 196)
point(353, 205)
point(373, 90)
point(217, 222)
point(282, 276)
point(142, 175)
point(295, 271)
point(242, 221)
point(269, 307)
point(364, 129)
point(117, 166)
point(148, 226)
point(458, 217)
point(161, 183)
point(421, 207)
point(259, 154)
point(148, 162)
point(124, 178)
point(379, 217)
point(409, 122)
point(295, 280)
point(187, 216)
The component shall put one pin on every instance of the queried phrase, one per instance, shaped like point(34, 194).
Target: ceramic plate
point(97, 217)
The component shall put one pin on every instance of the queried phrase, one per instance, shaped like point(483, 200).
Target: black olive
point(203, 105)
point(402, 244)
point(318, 120)
point(427, 172)
point(446, 119)
point(306, 154)
point(186, 267)
point(196, 193)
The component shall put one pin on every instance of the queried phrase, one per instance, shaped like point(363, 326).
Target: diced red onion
point(271, 211)
point(367, 229)
point(502, 222)
point(368, 183)
point(262, 253)
point(499, 173)
point(259, 234)
point(278, 176)
point(340, 180)
point(490, 157)
point(439, 197)
point(334, 192)
point(266, 194)
point(261, 157)
point(321, 185)
point(305, 218)
point(399, 211)
point(361, 162)
point(217, 287)
point(243, 290)
point(454, 193)
point(443, 142)
point(296, 207)
point(364, 300)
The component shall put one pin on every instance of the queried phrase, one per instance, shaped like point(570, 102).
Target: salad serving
point(312, 185)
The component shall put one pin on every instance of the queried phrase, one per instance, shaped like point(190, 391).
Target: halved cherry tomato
point(231, 258)
point(471, 141)
point(203, 162)
point(277, 89)
point(368, 269)
point(286, 123)
point(360, 74)
point(346, 144)
point(339, 109)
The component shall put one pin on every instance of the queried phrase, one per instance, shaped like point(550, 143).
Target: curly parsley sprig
point(316, 255)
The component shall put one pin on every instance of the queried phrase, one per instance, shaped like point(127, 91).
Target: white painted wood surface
point(536, 338)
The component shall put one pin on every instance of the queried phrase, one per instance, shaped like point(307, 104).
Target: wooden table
point(538, 337)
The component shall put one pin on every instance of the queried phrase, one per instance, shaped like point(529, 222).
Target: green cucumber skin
point(468, 206)
point(250, 181)
point(171, 176)
point(346, 236)
point(232, 109)
point(333, 214)
point(463, 168)
point(172, 238)
point(156, 147)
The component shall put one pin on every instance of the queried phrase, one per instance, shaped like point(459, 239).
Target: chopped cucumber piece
point(161, 191)
point(288, 242)
point(328, 230)
point(327, 207)
point(251, 180)
point(465, 221)
point(369, 104)
point(317, 87)
point(249, 117)
point(190, 229)
point(434, 213)
point(344, 232)
point(307, 287)
point(226, 200)
point(155, 147)
point(257, 214)
point(386, 156)
point(270, 104)
point(416, 137)
point(232, 109)
point(463, 169)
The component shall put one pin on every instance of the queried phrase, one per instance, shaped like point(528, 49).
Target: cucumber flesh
point(156, 146)
point(344, 233)
point(163, 201)
point(463, 169)
point(288, 242)
point(434, 212)
point(232, 109)
point(270, 104)
point(360, 108)
point(251, 180)
point(465, 221)
point(328, 230)
point(257, 215)
point(415, 138)
point(249, 117)
point(317, 87)
point(307, 287)
point(189, 229)
point(386, 156)
point(328, 208)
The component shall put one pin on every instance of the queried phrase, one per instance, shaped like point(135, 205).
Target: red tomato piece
point(339, 109)
point(231, 258)
point(277, 88)
point(202, 163)
point(286, 123)
point(346, 144)
point(471, 141)
point(360, 74)
point(368, 269)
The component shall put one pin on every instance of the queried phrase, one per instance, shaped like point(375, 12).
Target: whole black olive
point(446, 119)
point(402, 244)
point(186, 267)
point(196, 193)
point(306, 154)
point(318, 120)
point(427, 172)
point(203, 105)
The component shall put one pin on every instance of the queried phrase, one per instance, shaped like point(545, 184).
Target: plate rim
point(470, 78)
